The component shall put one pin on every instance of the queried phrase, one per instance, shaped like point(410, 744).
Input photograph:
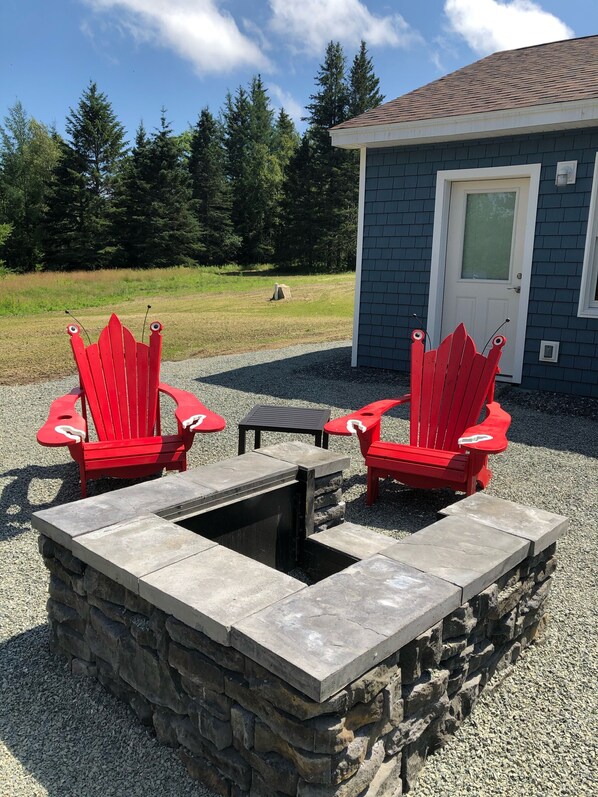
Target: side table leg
point(325, 440)
point(258, 438)
point(318, 439)
point(242, 435)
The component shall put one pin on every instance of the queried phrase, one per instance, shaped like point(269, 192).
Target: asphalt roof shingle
point(557, 72)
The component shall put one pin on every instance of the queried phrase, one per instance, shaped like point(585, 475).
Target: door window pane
point(488, 235)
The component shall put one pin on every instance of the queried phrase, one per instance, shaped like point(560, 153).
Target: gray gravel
point(532, 733)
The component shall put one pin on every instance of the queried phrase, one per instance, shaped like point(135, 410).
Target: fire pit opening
point(268, 526)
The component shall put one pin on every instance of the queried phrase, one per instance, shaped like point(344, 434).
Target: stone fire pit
point(281, 650)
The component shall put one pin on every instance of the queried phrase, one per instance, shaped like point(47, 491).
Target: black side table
point(270, 418)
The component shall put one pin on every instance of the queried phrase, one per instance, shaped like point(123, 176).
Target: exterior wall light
point(566, 173)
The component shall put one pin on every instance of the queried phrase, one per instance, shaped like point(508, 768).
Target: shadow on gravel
point(412, 510)
point(18, 498)
point(71, 736)
point(326, 378)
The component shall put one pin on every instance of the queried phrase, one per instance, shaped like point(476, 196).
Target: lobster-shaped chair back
point(449, 387)
point(120, 378)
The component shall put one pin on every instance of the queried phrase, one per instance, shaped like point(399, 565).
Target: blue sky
point(185, 54)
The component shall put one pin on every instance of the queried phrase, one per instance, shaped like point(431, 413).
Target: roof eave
point(513, 121)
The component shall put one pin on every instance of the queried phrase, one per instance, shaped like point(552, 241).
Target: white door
point(484, 261)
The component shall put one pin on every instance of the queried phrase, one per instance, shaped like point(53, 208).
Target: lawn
point(205, 312)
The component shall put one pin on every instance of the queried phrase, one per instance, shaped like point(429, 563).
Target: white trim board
point(359, 254)
point(508, 122)
point(587, 306)
point(444, 179)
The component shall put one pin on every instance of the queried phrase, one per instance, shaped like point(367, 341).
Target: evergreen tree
point(333, 173)
point(173, 229)
point(253, 169)
point(364, 86)
point(132, 204)
point(296, 233)
point(211, 190)
point(336, 169)
point(79, 223)
point(286, 139)
point(28, 154)
point(329, 106)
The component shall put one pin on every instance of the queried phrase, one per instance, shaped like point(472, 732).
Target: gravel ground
point(532, 734)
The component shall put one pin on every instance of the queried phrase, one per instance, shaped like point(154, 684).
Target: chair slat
point(442, 357)
point(458, 340)
point(428, 373)
point(142, 386)
point(459, 392)
point(86, 378)
point(417, 359)
point(106, 358)
point(155, 353)
point(130, 346)
point(118, 361)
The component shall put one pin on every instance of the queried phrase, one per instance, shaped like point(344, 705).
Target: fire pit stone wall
point(266, 686)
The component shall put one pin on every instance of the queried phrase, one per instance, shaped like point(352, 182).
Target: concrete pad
point(541, 528)
point(352, 539)
point(127, 551)
point(326, 636)
point(461, 550)
point(216, 588)
point(236, 476)
point(64, 523)
point(307, 457)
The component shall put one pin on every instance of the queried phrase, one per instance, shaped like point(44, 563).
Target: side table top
point(277, 418)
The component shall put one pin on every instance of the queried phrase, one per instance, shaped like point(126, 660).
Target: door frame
point(444, 181)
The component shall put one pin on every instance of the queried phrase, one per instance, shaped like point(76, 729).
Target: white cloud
point(490, 25)
point(197, 30)
point(286, 100)
point(311, 24)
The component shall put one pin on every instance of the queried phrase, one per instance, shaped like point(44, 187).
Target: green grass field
point(205, 312)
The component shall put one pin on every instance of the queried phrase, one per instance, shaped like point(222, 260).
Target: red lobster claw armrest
point(489, 436)
point(365, 423)
point(192, 415)
point(64, 427)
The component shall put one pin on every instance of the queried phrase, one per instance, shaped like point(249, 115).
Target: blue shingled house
point(478, 201)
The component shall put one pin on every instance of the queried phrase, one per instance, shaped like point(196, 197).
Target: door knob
point(517, 289)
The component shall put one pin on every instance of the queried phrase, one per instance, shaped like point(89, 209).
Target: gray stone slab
point(127, 551)
point(63, 523)
point(541, 528)
point(353, 539)
point(461, 550)
point(241, 474)
point(307, 457)
point(328, 635)
point(216, 588)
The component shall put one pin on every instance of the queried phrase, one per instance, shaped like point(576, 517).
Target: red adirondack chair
point(447, 447)
point(120, 384)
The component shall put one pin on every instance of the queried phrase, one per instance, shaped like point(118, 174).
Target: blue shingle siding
point(397, 249)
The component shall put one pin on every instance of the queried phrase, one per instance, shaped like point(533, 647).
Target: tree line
point(242, 186)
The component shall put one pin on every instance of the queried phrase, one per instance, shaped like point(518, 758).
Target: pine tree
point(336, 169)
point(173, 230)
point(132, 214)
point(79, 223)
point(253, 169)
point(333, 174)
point(364, 86)
point(28, 154)
point(296, 233)
point(211, 190)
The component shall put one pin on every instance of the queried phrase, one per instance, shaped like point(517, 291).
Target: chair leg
point(372, 487)
point(83, 478)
